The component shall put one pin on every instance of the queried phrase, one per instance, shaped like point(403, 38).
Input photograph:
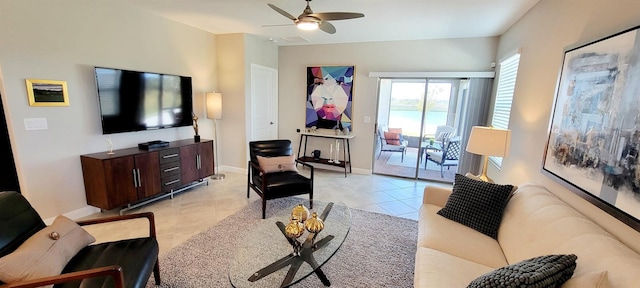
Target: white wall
point(64, 40)
point(447, 55)
point(542, 36)
point(236, 53)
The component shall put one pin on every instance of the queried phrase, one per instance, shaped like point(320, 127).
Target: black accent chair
point(124, 263)
point(277, 184)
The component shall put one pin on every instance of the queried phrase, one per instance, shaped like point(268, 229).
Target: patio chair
point(443, 132)
point(391, 144)
point(448, 156)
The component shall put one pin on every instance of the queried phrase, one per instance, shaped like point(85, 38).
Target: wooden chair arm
point(148, 215)
point(254, 165)
point(304, 164)
point(114, 271)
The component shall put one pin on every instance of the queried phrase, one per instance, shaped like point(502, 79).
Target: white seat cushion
point(435, 155)
point(437, 269)
point(451, 237)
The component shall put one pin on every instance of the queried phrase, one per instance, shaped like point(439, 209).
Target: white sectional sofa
point(535, 223)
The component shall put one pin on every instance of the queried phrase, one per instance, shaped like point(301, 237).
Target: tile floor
point(197, 209)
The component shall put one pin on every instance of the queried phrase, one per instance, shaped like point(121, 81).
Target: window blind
point(504, 97)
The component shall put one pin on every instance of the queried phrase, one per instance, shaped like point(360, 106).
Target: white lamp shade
point(489, 141)
point(214, 105)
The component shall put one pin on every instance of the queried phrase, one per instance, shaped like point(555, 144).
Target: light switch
point(35, 124)
point(367, 119)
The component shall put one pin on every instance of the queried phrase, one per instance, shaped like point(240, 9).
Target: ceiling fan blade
point(332, 16)
point(277, 25)
point(327, 27)
point(284, 13)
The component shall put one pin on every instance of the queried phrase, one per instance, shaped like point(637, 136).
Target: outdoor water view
point(406, 103)
point(406, 107)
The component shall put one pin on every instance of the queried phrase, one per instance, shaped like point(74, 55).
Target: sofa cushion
point(538, 272)
point(477, 204)
point(534, 213)
point(45, 253)
point(436, 269)
point(596, 279)
point(439, 233)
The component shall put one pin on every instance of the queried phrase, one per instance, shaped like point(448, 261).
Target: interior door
point(264, 103)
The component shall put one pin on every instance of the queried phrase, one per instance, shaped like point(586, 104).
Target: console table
point(346, 151)
point(133, 177)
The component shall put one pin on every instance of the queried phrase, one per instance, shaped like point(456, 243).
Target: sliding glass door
point(413, 109)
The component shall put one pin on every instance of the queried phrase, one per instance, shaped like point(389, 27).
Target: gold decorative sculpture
point(302, 250)
point(300, 213)
point(294, 229)
point(315, 224)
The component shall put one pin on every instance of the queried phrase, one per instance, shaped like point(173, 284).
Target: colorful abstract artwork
point(594, 138)
point(330, 97)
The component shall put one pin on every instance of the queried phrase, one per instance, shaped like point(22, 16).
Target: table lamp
point(214, 111)
point(488, 141)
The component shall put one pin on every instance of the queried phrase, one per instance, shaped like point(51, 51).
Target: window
point(504, 97)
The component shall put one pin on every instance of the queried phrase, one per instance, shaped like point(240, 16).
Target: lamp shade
point(489, 141)
point(214, 105)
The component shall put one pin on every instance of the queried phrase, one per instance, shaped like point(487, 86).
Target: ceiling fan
point(311, 21)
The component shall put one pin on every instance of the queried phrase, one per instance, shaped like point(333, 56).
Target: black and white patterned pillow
point(477, 204)
point(539, 272)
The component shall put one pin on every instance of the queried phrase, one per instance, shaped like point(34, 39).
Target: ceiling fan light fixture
point(305, 25)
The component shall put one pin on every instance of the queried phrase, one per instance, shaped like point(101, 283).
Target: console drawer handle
point(171, 169)
point(169, 156)
point(171, 182)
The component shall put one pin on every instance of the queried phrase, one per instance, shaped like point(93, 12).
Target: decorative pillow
point(474, 177)
point(598, 279)
point(537, 272)
point(392, 138)
point(277, 164)
point(46, 252)
point(395, 130)
point(477, 204)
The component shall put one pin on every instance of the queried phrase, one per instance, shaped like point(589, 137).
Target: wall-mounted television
point(135, 101)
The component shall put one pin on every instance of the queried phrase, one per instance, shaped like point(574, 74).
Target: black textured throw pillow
point(538, 272)
point(477, 204)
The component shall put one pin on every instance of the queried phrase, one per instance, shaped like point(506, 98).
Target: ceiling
point(385, 20)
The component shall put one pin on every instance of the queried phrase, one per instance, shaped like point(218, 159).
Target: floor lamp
point(488, 141)
point(214, 111)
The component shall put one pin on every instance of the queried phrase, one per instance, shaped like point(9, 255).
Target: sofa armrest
point(114, 271)
point(436, 195)
point(148, 215)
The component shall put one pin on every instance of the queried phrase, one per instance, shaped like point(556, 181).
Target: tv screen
point(135, 101)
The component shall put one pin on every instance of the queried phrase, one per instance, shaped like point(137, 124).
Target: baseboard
point(231, 169)
point(244, 171)
point(76, 214)
point(361, 171)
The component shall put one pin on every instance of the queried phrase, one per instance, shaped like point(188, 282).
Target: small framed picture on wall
point(47, 92)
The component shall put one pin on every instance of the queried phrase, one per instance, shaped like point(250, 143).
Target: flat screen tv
point(135, 101)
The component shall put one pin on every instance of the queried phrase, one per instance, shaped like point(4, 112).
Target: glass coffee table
point(264, 257)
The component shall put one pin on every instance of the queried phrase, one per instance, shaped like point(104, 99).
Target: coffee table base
point(305, 254)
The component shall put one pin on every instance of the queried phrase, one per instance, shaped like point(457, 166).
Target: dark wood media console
point(132, 177)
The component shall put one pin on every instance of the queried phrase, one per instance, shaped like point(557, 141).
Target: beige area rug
point(379, 251)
